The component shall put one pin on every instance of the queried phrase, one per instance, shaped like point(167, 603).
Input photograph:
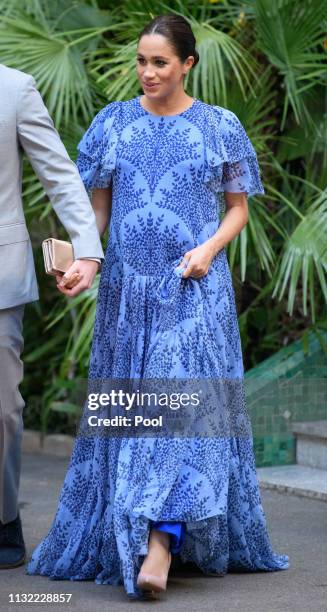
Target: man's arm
point(57, 172)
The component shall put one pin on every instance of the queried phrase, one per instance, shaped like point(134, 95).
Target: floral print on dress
point(167, 174)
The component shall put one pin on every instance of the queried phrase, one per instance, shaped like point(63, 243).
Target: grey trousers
point(11, 409)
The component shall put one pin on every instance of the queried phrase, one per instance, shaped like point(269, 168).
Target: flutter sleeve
point(231, 162)
point(96, 159)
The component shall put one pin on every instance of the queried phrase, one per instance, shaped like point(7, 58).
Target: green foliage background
point(264, 60)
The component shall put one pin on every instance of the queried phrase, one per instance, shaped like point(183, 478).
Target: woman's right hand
point(197, 261)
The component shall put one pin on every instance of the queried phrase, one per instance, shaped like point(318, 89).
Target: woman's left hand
point(198, 260)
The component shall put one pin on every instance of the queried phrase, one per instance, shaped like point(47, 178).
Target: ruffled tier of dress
point(163, 325)
point(114, 488)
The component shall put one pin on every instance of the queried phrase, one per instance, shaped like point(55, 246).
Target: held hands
point(79, 276)
point(198, 260)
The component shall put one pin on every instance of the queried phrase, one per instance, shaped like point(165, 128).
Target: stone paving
point(297, 527)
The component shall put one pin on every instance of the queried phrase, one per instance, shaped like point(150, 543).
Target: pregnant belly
point(148, 240)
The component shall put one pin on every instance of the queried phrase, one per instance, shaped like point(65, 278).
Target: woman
point(165, 310)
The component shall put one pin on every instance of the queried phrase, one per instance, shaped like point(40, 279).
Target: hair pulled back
point(178, 32)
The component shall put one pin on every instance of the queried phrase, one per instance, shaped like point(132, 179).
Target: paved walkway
point(297, 526)
point(300, 479)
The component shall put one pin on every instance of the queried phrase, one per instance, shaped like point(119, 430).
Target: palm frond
point(114, 68)
point(291, 35)
point(220, 55)
point(254, 239)
point(56, 62)
point(305, 252)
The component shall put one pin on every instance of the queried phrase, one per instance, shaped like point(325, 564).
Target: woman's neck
point(174, 104)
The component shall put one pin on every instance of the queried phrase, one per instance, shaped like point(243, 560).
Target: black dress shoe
point(12, 546)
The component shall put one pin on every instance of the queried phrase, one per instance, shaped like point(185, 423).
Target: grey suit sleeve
point(56, 171)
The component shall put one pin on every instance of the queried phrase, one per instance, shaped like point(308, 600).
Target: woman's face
point(159, 69)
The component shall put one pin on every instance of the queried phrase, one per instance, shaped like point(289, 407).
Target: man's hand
point(197, 261)
point(79, 276)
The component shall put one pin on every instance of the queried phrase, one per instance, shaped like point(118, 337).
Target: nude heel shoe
point(150, 582)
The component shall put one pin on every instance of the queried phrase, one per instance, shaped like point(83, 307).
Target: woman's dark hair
point(177, 31)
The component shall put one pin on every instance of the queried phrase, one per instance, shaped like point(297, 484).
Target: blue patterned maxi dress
point(168, 174)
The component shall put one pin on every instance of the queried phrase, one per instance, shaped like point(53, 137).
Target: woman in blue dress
point(157, 165)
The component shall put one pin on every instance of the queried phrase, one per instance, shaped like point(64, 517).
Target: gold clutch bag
point(58, 255)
